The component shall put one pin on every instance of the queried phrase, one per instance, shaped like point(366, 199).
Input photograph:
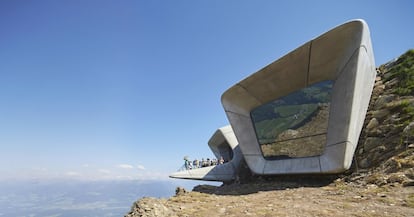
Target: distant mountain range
point(69, 198)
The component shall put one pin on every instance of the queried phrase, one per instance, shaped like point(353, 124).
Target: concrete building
point(224, 145)
point(303, 113)
point(343, 57)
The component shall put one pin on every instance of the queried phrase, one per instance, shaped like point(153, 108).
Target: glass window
point(294, 125)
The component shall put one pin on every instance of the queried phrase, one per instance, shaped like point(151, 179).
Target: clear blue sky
point(116, 89)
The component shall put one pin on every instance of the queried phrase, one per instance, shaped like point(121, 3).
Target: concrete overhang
point(343, 55)
point(223, 143)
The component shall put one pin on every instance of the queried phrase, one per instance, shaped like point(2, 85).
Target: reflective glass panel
point(294, 125)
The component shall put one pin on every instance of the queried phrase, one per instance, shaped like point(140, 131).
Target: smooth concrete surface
point(343, 55)
point(224, 144)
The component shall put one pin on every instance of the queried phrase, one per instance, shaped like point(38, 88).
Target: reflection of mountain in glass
point(294, 125)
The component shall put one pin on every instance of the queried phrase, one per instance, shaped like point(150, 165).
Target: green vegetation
point(289, 112)
point(408, 110)
point(290, 117)
point(403, 70)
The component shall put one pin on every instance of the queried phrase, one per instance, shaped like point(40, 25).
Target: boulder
point(372, 124)
point(383, 100)
point(371, 143)
point(380, 114)
point(409, 130)
point(180, 191)
point(364, 163)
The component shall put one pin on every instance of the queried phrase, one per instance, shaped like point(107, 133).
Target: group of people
point(202, 163)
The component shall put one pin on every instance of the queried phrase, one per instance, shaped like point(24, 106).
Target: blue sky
point(124, 89)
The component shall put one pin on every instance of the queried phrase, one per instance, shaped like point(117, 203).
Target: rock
point(379, 149)
point(396, 178)
point(371, 143)
point(390, 130)
point(378, 83)
point(409, 173)
point(364, 163)
point(180, 191)
point(407, 162)
point(149, 207)
point(375, 132)
point(409, 130)
point(222, 210)
point(408, 183)
point(380, 88)
point(392, 166)
point(372, 124)
point(205, 189)
point(392, 82)
point(383, 100)
point(377, 155)
point(403, 101)
point(377, 179)
point(394, 119)
point(387, 75)
point(380, 114)
point(381, 195)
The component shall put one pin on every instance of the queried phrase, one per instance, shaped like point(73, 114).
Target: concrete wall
point(222, 141)
point(344, 55)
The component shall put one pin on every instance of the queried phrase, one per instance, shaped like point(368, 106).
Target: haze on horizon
point(103, 89)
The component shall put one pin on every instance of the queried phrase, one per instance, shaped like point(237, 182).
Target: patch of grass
point(398, 104)
point(409, 110)
point(406, 108)
point(288, 117)
point(403, 69)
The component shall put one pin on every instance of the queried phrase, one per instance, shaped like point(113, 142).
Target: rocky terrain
point(380, 183)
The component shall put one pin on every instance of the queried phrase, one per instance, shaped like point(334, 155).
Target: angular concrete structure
point(339, 68)
point(224, 144)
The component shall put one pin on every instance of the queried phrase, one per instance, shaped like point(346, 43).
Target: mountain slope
point(380, 182)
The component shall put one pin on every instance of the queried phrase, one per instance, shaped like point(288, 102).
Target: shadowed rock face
point(390, 118)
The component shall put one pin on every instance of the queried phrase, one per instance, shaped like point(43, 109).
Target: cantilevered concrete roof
point(343, 55)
